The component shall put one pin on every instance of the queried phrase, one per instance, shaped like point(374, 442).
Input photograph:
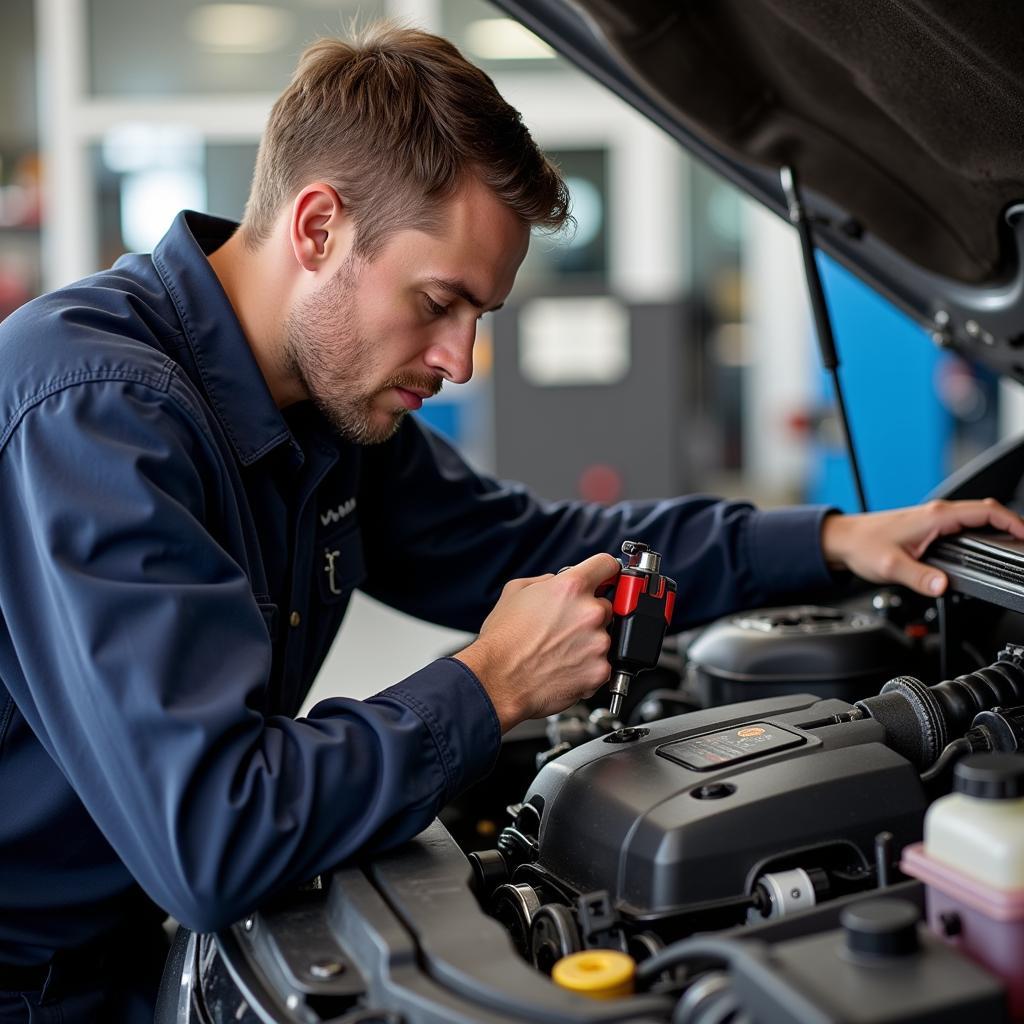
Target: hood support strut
point(822, 321)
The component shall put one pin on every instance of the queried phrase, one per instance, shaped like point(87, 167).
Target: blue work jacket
point(176, 555)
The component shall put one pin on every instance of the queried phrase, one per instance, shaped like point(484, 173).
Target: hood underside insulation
point(908, 114)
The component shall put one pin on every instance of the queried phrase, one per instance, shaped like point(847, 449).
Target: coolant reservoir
point(972, 865)
point(979, 828)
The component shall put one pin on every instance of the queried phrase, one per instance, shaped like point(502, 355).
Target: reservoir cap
point(990, 776)
point(597, 973)
point(881, 928)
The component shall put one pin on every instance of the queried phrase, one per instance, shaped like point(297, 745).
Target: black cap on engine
point(881, 927)
point(990, 776)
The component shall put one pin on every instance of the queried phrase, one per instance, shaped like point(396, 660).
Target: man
point(204, 451)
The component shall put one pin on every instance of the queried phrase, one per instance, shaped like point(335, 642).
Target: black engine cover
point(634, 819)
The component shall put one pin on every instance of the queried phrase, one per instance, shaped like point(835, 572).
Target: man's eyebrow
point(458, 288)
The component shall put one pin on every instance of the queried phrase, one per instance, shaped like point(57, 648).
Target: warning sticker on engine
point(728, 746)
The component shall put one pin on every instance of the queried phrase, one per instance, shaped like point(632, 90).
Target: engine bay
point(804, 814)
point(755, 860)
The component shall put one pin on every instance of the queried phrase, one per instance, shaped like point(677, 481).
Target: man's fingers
point(915, 575)
point(513, 586)
point(988, 512)
point(594, 571)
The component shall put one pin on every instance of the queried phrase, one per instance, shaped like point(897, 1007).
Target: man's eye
point(435, 307)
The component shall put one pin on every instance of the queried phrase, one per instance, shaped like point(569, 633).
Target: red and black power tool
point(641, 611)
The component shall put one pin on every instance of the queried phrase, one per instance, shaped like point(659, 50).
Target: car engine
point(750, 840)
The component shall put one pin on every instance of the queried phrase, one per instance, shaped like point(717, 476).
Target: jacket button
point(294, 619)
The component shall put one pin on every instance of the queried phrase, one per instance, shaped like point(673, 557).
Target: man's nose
point(452, 355)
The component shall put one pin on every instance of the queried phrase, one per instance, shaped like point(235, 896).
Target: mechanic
point(204, 451)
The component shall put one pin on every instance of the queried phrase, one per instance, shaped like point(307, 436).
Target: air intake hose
point(919, 720)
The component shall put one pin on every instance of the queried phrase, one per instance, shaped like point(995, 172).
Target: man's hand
point(545, 644)
point(884, 547)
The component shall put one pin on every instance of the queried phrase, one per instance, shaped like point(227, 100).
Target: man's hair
point(396, 120)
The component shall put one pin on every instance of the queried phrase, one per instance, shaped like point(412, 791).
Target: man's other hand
point(545, 644)
point(885, 547)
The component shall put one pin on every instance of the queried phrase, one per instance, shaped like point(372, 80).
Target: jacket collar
point(234, 384)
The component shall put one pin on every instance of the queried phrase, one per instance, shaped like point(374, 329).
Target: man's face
point(382, 335)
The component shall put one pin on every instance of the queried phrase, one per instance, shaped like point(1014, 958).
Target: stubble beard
point(326, 350)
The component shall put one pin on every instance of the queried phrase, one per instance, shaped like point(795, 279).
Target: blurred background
point(675, 297)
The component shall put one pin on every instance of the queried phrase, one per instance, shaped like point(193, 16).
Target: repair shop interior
point(795, 278)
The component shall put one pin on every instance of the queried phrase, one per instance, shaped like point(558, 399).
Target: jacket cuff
point(458, 714)
point(784, 548)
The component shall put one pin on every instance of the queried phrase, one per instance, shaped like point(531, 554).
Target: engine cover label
point(728, 746)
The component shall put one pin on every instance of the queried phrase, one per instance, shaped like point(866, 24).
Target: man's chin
point(387, 431)
point(374, 430)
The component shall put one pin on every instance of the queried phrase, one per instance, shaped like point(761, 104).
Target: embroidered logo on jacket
point(335, 515)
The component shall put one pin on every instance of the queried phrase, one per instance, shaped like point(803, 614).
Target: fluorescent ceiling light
point(505, 39)
point(240, 28)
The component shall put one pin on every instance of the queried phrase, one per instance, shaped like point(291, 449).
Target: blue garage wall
point(888, 369)
point(445, 417)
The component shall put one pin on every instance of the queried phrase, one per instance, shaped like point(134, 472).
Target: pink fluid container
point(972, 865)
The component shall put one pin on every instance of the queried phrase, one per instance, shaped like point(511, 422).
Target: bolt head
point(326, 968)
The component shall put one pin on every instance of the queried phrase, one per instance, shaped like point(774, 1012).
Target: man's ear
point(320, 225)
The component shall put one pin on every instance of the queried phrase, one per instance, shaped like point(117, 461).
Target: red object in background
point(14, 290)
point(600, 483)
point(801, 423)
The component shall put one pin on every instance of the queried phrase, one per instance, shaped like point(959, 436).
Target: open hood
point(903, 121)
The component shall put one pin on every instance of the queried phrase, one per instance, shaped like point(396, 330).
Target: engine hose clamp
point(1013, 653)
point(786, 891)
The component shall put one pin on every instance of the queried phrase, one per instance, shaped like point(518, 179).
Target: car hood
point(903, 121)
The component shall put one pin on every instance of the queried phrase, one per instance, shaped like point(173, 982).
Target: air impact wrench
point(641, 611)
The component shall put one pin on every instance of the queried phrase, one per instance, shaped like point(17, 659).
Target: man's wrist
point(478, 658)
point(835, 539)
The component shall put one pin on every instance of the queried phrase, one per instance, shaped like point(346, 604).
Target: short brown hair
point(395, 120)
